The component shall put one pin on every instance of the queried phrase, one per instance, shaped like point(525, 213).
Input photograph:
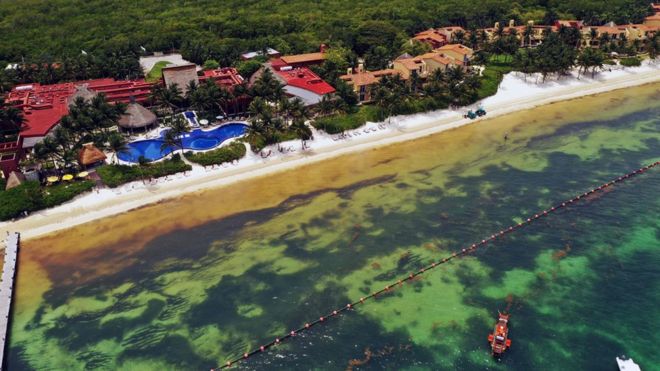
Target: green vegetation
point(116, 31)
point(339, 123)
point(55, 195)
point(116, 175)
point(491, 78)
point(273, 117)
point(30, 196)
point(87, 122)
point(234, 151)
point(156, 71)
point(11, 122)
point(630, 62)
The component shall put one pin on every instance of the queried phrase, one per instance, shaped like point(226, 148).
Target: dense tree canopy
point(208, 29)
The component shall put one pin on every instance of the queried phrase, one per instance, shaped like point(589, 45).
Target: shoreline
point(514, 94)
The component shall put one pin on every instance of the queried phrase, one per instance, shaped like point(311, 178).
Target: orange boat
point(499, 339)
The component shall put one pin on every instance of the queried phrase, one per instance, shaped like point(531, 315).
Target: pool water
point(198, 140)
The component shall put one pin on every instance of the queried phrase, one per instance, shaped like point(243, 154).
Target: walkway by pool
point(197, 140)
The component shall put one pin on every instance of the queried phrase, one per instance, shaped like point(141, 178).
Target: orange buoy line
point(433, 265)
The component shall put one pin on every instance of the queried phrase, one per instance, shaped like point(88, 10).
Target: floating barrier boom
point(464, 251)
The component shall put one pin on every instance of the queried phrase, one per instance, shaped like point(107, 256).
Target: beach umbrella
point(83, 174)
point(67, 177)
point(52, 179)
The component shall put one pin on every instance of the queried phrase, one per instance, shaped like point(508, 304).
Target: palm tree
point(268, 87)
point(483, 39)
point(458, 37)
point(302, 131)
point(168, 97)
point(11, 120)
point(174, 136)
point(473, 39)
point(298, 110)
point(527, 35)
point(117, 145)
point(652, 46)
point(593, 34)
point(284, 108)
point(499, 31)
point(325, 106)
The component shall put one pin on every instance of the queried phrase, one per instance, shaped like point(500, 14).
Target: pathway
point(7, 287)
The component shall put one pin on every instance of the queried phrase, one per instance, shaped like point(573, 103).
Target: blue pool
point(195, 140)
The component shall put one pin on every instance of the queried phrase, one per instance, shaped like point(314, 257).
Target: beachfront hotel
point(532, 35)
point(363, 81)
point(44, 105)
point(299, 81)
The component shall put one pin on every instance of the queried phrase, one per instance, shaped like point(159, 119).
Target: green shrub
point(630, 62)
point(3, 184)
point(609, 62)
point(339, 123)
point(257, 143)
point(30, 196)
point(116, 175)
point(55, 195)
point(26, 197)
point(218, 156)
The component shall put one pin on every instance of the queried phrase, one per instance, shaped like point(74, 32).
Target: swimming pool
point(195, 140)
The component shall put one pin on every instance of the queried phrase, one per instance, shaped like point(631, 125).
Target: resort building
point(432, 37)
point(225, 77)
point(363, 81)
point(592, 36)
point(90, 156)
point(461, 54)
point(302, 83)
point(439, 36)
point(572, 23)
point(44, 105)
point(423, 65)
point(301, 60)
point(298, 80)
point(10, 155)
point(450, 32)
point(269, 52)
point(137, 118)
point(652, 20)
point(181, 76)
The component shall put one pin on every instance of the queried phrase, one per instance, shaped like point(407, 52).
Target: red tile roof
point(317, 57)
point(363, 78)
point(226, 77)
point(304, 78)
point(44, 105)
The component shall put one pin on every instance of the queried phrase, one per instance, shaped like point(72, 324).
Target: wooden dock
point(7, 288)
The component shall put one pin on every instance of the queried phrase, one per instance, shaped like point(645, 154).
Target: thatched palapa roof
point(136, 117)
point(15, 179)
point(89, 155)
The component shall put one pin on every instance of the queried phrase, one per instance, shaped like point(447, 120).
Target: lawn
point(492, 76)
point(156, 72)
point(341, 122)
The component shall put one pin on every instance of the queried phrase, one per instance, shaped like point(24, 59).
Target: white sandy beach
point(514, 94)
